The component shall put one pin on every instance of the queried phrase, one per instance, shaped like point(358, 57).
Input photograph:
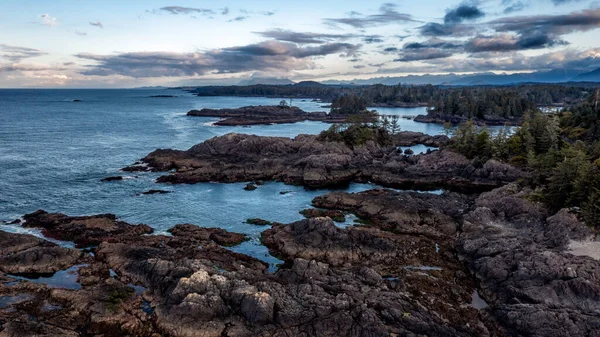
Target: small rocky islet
point(481, 259)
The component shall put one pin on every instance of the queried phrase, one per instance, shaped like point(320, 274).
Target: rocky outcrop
point(530, 265)
point(254, 115)
point(306, 161)
point(335, 215)
point(27, 254)
point(84, 231)
point(410, 138)
point(200, 234)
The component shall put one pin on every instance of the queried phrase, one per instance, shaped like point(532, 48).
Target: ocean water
point(53, 153)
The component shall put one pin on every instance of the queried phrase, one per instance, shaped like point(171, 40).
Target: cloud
point(373, 39)
point(462, 13)
point(79, 33)
point(25, 67)
point(564, 59)
point(507, 42)
point(423, 54)
point(434, 43)
point(436, 29)
point(265, 56)
point(48, 20)
point(176, 10)
point(303, 37)
point(225, 11)
point(97, 24)
point(551, 24)
point(239, 18)
point(387, 15)
point(16, 54)
point(511, 6)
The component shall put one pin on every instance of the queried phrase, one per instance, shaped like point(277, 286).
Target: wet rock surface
point(534, 283)
point(493, 264)
point(306, 161)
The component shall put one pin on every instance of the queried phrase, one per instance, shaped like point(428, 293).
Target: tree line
point(560, 152)
point(470, 102)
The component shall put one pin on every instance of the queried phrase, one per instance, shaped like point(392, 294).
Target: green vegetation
point(118, 296)
point(349, 105)
point(471, 102)
point(561, 153)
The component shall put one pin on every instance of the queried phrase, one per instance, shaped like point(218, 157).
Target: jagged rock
point(336, 216)
point(306, 161)
point(201, 234)
point(26, 254)
point(84, 230)
point(526, 267)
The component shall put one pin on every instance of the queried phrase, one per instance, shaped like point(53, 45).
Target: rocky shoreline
point(260, 115)
point(306, 161)
point(422, 266)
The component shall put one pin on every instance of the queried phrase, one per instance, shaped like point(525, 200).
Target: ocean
point(54, 151)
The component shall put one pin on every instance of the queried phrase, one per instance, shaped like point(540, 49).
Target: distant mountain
point(265, 80)
point(592, 76)
point(487, 78)
point(309, 84)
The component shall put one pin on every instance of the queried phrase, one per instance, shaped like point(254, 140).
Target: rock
point(314, 164)
point(85, 231)
point(250, 187)
point(409, 152)
point(258, 222)
point(255, 115)
point(525, 266)
point(163, 96)
point(156, 192)
point(285, 192)
point(115, 178)
point(77, 100)
point(411, 138)
point(336, 216)
point(26, 254)
point(201, 234)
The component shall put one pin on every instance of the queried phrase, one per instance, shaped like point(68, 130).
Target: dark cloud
point(97, 24)
point(462, 13)
point(303, 37)
point(373, 39)
point(423, 54)
point(437, 29)
point(264, 56)
point(433, 43)
point(225, 11)
point(390, 50)
point(387, 15)
point(507, 42)
point(16, 54)
point(186, 10)
point(550, 24)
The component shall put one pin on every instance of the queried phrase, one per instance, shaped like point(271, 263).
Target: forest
point(561, 153)
point(472, 102)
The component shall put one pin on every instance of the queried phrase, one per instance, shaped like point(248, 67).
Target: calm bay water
point(53, 153)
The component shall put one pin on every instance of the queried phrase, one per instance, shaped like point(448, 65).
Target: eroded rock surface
point(306, 161)
point(521, 258)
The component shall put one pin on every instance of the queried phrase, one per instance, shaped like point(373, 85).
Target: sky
point(116, 44)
